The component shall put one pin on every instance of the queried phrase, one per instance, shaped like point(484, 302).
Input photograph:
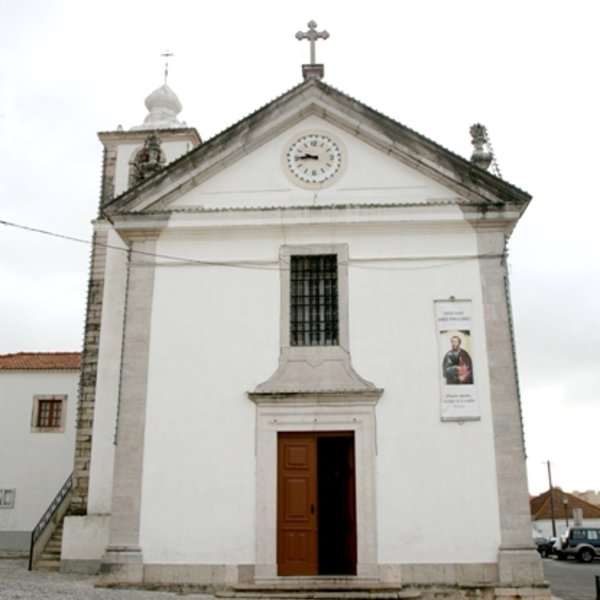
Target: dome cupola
point(163, 107)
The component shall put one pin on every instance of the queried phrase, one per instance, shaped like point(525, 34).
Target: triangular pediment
point(384, 163)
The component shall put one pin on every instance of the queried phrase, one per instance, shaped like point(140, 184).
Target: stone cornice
point(413, 216)
point(317, 397)
point(138, 136)
point(316, 98)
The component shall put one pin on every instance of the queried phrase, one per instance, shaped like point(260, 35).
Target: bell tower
point(123, 150)
point(129, 157)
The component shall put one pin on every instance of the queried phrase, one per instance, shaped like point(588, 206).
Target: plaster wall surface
point(199, 443)
point(84, 541)
point(436, 479)
point(215, 335)
point(543, 528)
point(38, 462)
point(369, 177)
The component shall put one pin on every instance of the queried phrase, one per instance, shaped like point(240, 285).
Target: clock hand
point(305, 156)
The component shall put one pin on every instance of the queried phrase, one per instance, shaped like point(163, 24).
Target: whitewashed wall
point(543, 528)
point(215, 336)
point(36, 464)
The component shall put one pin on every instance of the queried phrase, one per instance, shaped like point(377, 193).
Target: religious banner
point(457, 372)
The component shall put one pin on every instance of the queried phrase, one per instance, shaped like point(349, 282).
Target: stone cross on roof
point(312, 35)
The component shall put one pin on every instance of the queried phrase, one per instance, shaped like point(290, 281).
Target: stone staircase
point(49, 559)
point(323, 590)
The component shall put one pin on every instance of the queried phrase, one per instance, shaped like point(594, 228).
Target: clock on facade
point(314, 158)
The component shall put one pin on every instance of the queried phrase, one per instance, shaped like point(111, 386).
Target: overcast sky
point(526, 69)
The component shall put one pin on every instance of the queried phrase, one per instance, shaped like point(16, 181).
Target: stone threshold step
point(315, 595)
point(321, 583)
point(330, 590)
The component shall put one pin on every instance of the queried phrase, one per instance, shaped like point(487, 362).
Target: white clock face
point(313, 159)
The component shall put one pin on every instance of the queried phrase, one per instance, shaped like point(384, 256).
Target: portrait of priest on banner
point(457, 365)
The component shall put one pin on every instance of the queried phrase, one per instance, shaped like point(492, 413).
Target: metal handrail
point(50, 511)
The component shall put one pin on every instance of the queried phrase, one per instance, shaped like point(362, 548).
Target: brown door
point(296, 505)
point(316, 525)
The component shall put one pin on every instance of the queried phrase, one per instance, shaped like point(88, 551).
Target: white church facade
point(298, 360)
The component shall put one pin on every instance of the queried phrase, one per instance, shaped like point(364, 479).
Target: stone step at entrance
point(322, 590)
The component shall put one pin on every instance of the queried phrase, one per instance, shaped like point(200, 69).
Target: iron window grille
point(314, 300)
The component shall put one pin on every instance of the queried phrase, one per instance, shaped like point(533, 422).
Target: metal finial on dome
point(163, 105)
point(166, 55)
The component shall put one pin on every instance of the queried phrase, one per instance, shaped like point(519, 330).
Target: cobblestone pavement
point(17, 583)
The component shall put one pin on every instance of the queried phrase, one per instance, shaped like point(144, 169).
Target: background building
point(38, 403)
point(567, 509)
point(591, 496)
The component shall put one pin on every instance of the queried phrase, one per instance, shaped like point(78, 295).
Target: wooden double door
point(316, 504)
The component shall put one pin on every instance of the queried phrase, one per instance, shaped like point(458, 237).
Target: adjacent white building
point(552, 512)
point(298, 359)
point(38, 406)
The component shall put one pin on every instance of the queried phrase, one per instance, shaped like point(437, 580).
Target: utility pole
point(551, 499)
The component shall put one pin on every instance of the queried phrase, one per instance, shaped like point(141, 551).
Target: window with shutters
point(48, 413)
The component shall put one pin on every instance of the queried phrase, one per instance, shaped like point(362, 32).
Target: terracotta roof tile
point(541, 506)
point(40, 361)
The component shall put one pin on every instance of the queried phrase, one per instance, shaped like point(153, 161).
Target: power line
point(360, 263)
point(70, 238)
point(45, 232)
